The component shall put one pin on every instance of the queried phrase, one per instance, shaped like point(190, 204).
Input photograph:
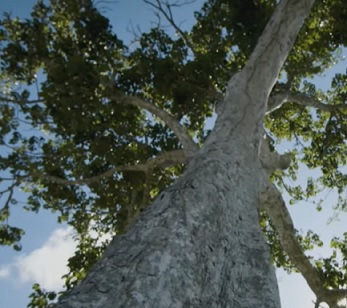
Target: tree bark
point(199, 244)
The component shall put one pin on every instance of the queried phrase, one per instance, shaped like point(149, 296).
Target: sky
point(47, 245)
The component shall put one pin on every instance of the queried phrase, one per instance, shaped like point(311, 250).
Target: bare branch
point(163, 160)
point(158, 5)
point(164, 7)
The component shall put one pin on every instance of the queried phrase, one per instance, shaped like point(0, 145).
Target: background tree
point(99, 159)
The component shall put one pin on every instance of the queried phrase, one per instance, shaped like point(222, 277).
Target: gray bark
point(199, 244)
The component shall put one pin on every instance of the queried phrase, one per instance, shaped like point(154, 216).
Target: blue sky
point(47, 244)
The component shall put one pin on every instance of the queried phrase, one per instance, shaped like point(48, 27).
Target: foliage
point(41, 298)
point(64, 73)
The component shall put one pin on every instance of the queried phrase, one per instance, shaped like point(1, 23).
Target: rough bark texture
point(199, 244)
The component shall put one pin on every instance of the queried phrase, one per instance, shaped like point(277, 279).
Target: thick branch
point(276, 42)
point(244, 106)
point(188, 143)
point(274, 205)
point(163, 160)
point(189, 146)
point(272, 161)
point(277, 100)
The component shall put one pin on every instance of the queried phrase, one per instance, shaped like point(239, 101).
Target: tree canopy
point(93, 129)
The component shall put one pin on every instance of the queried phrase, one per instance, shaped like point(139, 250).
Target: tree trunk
point(199, 244)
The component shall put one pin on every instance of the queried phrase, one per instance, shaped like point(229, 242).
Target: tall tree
point(191, 210)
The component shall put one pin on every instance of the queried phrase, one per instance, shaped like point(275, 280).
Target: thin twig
point(158, 5)
point(4, 99)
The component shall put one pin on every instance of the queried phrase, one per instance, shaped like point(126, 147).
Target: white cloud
point(5, 272)
point(47, 264)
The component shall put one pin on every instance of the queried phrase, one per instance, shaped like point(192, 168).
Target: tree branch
point(251, 87)
point(275, 43)
point(277, 100)
point(19, 101)
point(187, 142)
point(271, 160)
point(189, 146)
point(212, 93)
point(163, 160)
point(158, 5)
point(10, 190)
point(272, 202)
point(274, 205)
